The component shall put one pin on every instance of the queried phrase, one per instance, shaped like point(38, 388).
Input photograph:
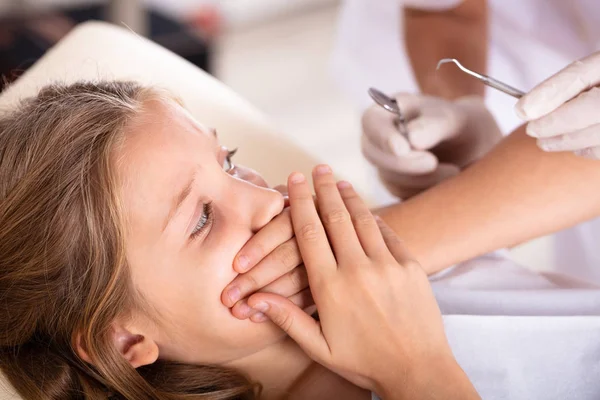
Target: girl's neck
point(286, 372)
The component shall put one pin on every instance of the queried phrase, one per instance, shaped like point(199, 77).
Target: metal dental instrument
point(489, 81)
point(390, 104)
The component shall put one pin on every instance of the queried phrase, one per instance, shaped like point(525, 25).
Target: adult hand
point(562, 112)
point(269, 262)
point(380, 326)
point(443, 137)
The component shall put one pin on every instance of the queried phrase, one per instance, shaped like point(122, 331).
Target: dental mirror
point(390, 104)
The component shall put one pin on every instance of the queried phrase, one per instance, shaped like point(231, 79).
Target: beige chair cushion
point(97, 50)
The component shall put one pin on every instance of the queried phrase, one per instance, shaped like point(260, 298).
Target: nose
point(255, 204)
point(250, 175)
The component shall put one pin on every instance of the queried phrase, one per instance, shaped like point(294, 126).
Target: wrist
point(439, 379)
point(480, 131)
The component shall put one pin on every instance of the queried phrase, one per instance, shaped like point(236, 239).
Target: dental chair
point(96, 50)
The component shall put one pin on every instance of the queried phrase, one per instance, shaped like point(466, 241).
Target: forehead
point(165, 122)
point(160, 150)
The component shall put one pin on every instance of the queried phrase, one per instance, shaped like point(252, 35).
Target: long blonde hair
point(63, 270)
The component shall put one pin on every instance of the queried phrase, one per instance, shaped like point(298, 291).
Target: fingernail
point(547, 145)
point(520, 111)
point(343, 185)
point(323, 170)
point(243, 263)
point(297, 177)
point(234, 294)
point(531, 130)
point(261, 307)
point(244, 309)
point(259, 317)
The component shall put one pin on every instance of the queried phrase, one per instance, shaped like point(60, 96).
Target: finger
point(364, 223)
point(302, 328)
point(414, 163)
point(578, 140)
point(426, 132)
point(574, 115)
point(310, 234)
point(264, 242)
point(278, 263)
point(591, 153)
point(379, 126)
point(303, 300)
point(241, 309)
point(289, 284)
point(394, 244)
point(559, 88)
point(335, 216)
point(410, 104)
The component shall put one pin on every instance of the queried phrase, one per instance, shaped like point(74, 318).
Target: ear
point(137, 349)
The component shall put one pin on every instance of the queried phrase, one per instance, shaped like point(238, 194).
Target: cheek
point(185, 286)
point(199, 328)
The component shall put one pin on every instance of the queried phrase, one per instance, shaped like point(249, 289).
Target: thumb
point(427, 132)
point(301, 327)
point(559, 88)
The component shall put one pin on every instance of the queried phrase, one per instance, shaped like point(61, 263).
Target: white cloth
point(529, 41)
point(521, 335)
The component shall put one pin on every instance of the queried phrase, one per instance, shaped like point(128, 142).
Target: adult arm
point(515, 193)
point(460, 32)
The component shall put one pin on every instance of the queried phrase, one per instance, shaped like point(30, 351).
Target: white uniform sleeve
point(431, 5)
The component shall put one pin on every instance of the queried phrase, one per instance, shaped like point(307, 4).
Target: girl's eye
point(203, 221)
point(227, 163)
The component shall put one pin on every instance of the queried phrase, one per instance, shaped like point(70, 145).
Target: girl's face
point(188, 214)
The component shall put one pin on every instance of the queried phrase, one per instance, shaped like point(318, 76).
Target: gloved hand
point(443, 137)
point(563, 110)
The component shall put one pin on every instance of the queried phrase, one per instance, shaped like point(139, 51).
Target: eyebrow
point(179, 199)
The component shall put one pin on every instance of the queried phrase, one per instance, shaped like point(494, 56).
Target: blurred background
point(275, 53)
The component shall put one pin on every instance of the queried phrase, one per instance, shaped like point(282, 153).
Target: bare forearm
point(459, 33)
point(438, 380)
point(515, 193)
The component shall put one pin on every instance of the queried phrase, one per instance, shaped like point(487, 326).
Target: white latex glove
point(563, 111)
point(443, 137)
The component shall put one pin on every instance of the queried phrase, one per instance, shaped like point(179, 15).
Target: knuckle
point(288, 254)
point(412, 266)
point(309, 232)
point(594, 92)
point(249, 282)
point(302, 197)
point(335, 217)
point(298, 278)
point(256, 249)
point(285, 321)
point(362, 218)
